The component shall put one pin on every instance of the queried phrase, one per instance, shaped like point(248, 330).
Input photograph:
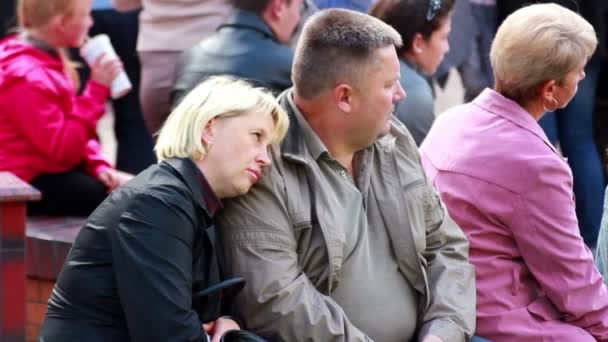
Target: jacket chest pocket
point(414, 204)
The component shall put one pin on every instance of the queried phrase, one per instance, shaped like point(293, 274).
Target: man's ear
point(343, 97)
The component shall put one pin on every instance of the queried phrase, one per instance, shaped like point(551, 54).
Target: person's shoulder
point(400, 137)
point(36, 73)
point(264, 196)
point(194, 54)
point(163, 183)
point(275, 54)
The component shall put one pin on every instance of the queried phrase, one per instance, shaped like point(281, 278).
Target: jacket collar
point(248, 20)
point(495, 103)
point(412, 67)
point(197, 183)
point(301, 141)
point(17, 56)
point(39, 44)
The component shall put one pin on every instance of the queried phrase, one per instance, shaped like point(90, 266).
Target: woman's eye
point(258, 136)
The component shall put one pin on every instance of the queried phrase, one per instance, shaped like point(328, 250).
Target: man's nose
point(401, 94)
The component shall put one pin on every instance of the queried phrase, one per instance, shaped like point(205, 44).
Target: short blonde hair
point(180, 136)
point(37, 13)
point(538, 43)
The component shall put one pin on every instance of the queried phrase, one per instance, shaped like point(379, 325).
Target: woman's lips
point(255, 174)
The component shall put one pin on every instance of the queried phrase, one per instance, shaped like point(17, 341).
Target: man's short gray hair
point(334, 46)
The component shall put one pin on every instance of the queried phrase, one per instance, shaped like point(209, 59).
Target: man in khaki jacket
point(344, 238)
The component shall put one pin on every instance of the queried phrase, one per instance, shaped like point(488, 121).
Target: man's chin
point(386, 131)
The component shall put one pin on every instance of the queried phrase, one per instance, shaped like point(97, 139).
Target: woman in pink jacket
point(511, 192)
point(47, 131)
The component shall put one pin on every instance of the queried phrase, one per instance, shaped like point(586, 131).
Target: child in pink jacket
point(47, 131)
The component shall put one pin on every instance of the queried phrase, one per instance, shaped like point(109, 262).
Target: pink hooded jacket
point(44, 126)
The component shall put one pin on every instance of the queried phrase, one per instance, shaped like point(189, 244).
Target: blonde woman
point(511, 192)
point(134, 266)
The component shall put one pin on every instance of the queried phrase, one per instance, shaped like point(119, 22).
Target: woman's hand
point(113, 178)
point(105, 70)
point(219, 327)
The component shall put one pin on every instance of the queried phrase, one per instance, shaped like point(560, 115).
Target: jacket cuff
point(97, 91)
point(98, 169)
point(444, 329)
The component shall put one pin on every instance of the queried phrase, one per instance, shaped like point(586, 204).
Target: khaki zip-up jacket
point(285, 237)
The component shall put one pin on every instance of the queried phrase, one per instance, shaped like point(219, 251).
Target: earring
point(198, 155)
point(550, 109)
point(418, 50)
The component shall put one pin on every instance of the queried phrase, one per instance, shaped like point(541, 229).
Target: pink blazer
point(511, 192)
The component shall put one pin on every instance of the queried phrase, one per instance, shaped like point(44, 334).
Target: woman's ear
point(276, 8)
point(209, 133)
point(547, 90)
point(418, 44)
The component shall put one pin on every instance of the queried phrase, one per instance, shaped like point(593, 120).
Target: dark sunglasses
point(434, 7)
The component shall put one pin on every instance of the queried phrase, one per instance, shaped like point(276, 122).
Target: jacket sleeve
point(451, 278)
point(94, 161)
point(60, 135)
point(279, 301)
point(152, 255)
point(90, 105)
point(546, 231)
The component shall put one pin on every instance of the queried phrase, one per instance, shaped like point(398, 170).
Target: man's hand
point(431, 338)
point(219, 327)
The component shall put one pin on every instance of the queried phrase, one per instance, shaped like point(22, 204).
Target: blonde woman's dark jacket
point(134, 266)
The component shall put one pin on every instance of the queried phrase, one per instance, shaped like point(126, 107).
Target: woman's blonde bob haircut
point(180, 136)
point(538, 43)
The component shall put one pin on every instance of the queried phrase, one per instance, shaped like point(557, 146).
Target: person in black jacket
point(133, 269)
point(252, 44)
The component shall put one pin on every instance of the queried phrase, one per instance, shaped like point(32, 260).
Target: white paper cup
point(95, 47)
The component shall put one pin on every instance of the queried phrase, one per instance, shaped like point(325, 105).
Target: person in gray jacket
point(251, 44)
point(344, 238)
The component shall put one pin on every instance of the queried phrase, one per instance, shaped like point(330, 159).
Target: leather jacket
point(244, 46)
point(133, 268)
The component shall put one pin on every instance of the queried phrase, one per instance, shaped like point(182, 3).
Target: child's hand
point(105, 70)
point(113, 178)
